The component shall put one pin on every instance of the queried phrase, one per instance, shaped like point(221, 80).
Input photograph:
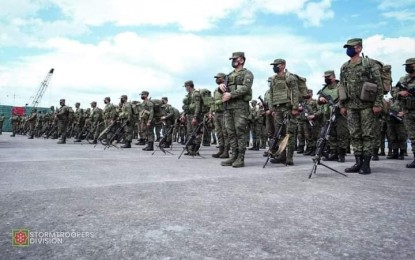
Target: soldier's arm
point(245, 88)
point(151, 110)
point(170, 112)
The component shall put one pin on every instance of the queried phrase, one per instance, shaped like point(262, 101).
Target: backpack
point(385, 72)
point(71, 114)
point(156, 105)
point(206, 97)
point(302, 85)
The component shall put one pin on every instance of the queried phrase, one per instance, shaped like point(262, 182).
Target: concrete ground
point(131, 204)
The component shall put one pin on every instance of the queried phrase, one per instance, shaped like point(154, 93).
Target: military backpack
point(385, 72)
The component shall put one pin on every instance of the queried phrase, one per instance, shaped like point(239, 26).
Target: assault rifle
point(277, 136)
point(198, 130)
point(265, 105)
point(116, 135)
point(395, 115)
point(163, 141)
point(405, 87)
point(306, 114)
point(324, 137)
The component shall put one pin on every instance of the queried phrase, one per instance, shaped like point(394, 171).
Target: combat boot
point(412, 164)
point(300, 149)
point(356, 167)
point(126, 145)
point(342, 155)
point(313, 151)
point(240, 161)
point(95, 141)
point(394, 154)
point(196, 150)
point(225, 153)
point(332, 156)
point(166, 144)
point(30, 137)
point(375, 156)
point(221, 150)
point(231, 160)
point(62, 141)
point(365, 169)
point(12, 135)
point(141, 141)
point(149, 147)
point(382, 152)
point(308, 150)
point(401, 155)
point(282, 158)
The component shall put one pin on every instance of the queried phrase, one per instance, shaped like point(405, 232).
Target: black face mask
point(235, 64)
point(143, 97)
point(218, 81)
point(409, 69)
point(276, 69)
point(328, 81)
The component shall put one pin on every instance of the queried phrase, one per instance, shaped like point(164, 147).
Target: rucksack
point(71, 114)
point(157, 103)
point(206, 97)
point(385, 72)
point(302, 85)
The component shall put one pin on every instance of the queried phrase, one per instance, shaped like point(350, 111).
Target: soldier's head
point(238, 59)
point(62, 102)
point(144, 95)
point(410, 66)
point(353, 47)
point(123, 99)
point(189, 85)
point(278, 65)
point(165, 100)
point(93, 104)
point(107, 100)
point(77, 105)
point(329, 77)
point(309, 94)
point(220, 78)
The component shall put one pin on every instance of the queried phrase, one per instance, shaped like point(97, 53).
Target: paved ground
point(132, 205)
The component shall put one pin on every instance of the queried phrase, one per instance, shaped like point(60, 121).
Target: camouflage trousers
point(409, 121)
point(236, 122)
point(396, 134)
point(128, 132)
point(339, 133)
point(221, 133)
point(148, 130)
point(300, 133)
point(62, 127)
point(190, 129)
point(290, 128)
point(361, 123)
point(311, 133)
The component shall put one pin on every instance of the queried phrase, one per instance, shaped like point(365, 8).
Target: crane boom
point(42, 88)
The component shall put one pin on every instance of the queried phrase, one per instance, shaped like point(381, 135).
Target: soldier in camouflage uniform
point(110, 115)
point(193, 117)
point(147, 120)
point(62, 116)
point(395, 129)
point(126, 116)
point(255, 126)
point(219, 120)
point(1, 123)
point(269, 119)
point(237, 94)
point(168, 120)
point(339, 132)
point(14, 120)
point(77, 127)
point(32, 122)
point(262, 123)
point(406, 98)
point(361, 115)
point(284, 96)
point(97, 120)
point(311, 122)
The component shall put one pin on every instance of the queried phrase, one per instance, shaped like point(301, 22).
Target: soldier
point(237, 94)
point(219, 120)
point(62, 116)
point(254, 126)
point(357, 76)
point(339, 132)
point(284, 96)
point(32, 122)
point(269, 119)
point(147, 120)
point(193, 117)
point(406, 97)
point(126, 116)
point(395, 129)
point(14, 120)
point(96, 120)
point(311, 122)
point(1, 123)
point(168, 120)
point(110, 115)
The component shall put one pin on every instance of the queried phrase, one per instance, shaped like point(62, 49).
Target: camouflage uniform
point(396, 131)
point(168, 120)
point(14, 120)
point(311, 132)
point(1, 123)
point(219, 121)
point(110, 115)
point(62, 116)
point(126, 117)
point(360, 116)
point(147, 121)
point(284, 98)
point(195, 114)
point(239, 87)
point(32, 122)
point(97, 120)
point(407, 103)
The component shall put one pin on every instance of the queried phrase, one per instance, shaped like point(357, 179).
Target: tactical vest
point(279, 91)
point(236, 78)
point(408, 102)
point(330, 91)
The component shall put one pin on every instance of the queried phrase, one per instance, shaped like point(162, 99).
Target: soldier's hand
point(311, 117)
point(376, 110)
point(401, 114)
point(268, 112)
point(322, 100)
point(194, 121)
point(295, 112)
point(222, 88)
point(404, 93)
point(226, 96)
point(343, 111)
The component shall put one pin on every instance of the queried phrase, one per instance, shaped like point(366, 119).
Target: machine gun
point(306, 113)
point(198, 130)
point(276, 148)
point(324, 137)
point(163, 141)
point(117, 135)
point(265, 105)
point(405, 87)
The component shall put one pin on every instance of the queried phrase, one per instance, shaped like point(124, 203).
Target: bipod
point(318, 162)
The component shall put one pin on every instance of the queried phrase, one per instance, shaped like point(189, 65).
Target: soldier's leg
point(241, 121)
point(409, 121)
point(370, 138)
point(300, 137)
point(218, 118)
point(355, 128)
point(342, 143)
point(232, 137)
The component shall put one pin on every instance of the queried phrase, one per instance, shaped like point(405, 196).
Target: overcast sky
point(105, 48)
